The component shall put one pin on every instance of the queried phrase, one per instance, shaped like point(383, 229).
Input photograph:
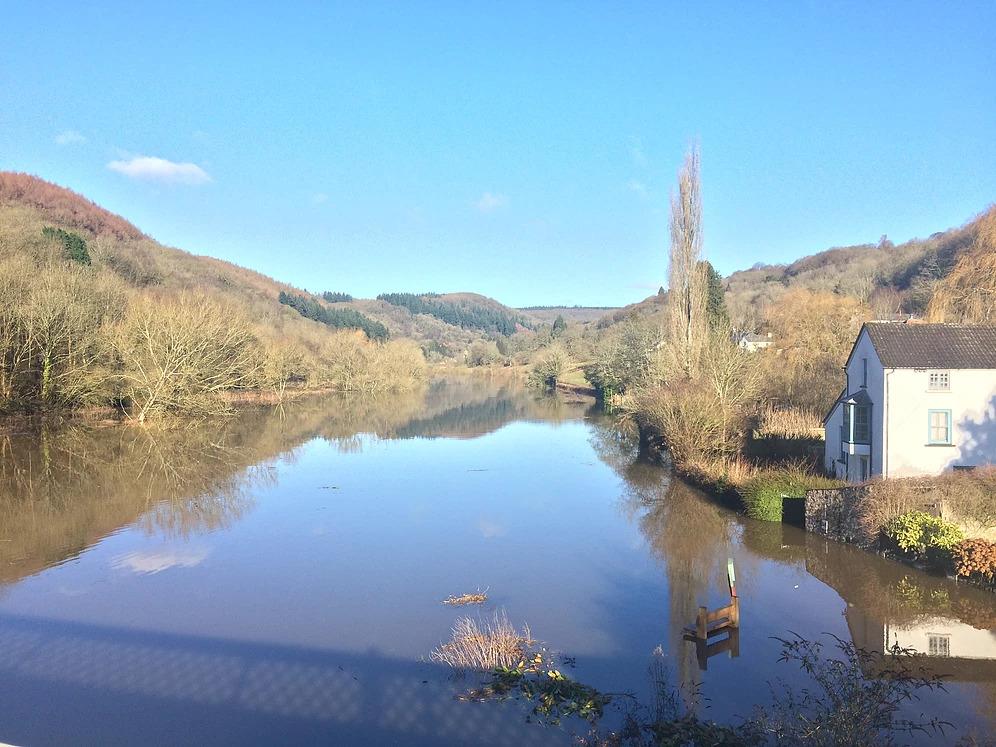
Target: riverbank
point(870, 517)
point(759, 489)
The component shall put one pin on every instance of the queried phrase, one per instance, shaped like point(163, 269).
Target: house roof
point(933, 345)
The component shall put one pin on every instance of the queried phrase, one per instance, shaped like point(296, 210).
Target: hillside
point(950, 276)
point(889, 278)
point(94, 312)
point(29, 204)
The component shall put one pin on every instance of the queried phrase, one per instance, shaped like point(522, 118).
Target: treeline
point(336, 297)
point(76, 330)
point(310, 308)
point(465, 315)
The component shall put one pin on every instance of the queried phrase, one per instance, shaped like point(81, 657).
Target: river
point(277, 576)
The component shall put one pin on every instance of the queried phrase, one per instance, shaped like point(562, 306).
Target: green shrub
point(920, 534)
point(762, 495)
point(73, 245)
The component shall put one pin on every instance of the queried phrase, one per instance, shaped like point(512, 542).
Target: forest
point(310, 308)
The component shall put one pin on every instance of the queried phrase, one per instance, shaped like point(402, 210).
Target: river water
point(276, 577)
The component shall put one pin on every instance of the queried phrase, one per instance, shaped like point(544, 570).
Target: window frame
point(861, 438)
point(930, 427)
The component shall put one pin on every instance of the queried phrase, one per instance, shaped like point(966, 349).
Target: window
point(939, 381)
point(939, 645)
point(861, 425)
point(939, 426)
point(864, 373)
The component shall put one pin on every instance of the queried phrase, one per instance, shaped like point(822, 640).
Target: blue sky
point(521, 150)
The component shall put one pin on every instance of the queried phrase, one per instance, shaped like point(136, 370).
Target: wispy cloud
point(490, 529)
point(636, 152)
point(151, 168)
point(635, 185)
point(69, 137)
point(157, 561)
point(491, 201)
point(318, 198)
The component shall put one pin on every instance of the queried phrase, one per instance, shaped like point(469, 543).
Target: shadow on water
point(71, 683)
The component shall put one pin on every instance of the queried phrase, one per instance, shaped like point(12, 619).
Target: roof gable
point(933, 345)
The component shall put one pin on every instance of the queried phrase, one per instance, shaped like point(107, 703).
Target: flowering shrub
point(975, 558)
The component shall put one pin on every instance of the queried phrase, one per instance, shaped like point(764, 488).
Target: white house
point(919, 399)
point(752, 342)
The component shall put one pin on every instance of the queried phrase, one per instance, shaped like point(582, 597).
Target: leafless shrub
point(968, 294)
point(967, 498)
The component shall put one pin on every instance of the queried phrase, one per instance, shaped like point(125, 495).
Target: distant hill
point(579, 314)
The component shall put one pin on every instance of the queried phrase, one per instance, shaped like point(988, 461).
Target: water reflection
point(62, 490)
point(884, 603)
point(275, 576)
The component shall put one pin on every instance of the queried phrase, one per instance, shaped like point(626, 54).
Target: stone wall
point(834, 514)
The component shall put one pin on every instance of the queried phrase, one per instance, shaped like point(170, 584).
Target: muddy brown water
point(276, 577)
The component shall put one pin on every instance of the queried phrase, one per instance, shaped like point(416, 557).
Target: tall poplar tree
point(686, 274)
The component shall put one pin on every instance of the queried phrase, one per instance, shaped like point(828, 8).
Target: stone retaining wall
point(834, 514)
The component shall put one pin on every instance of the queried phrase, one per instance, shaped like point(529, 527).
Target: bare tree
point(178, 355)
point(686, 276)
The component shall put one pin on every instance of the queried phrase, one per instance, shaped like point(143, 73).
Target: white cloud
point(490, 202)
point(318, 198)
point(490, 529)
point(69, 137)
point(636, 152)
point(154, 562)
point(160, 170)
point(635, 185)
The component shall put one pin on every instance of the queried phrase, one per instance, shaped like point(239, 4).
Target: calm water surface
point(276, 577)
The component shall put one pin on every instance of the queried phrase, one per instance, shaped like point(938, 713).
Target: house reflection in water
point(889, 605)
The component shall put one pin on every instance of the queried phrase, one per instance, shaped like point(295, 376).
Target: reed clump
point(484, 644)
point(788, 422)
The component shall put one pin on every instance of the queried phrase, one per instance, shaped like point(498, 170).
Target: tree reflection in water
point(689, 536)
point(63, 489)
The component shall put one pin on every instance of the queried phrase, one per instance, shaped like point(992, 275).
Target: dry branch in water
point(484, 644)
point(478, 597)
